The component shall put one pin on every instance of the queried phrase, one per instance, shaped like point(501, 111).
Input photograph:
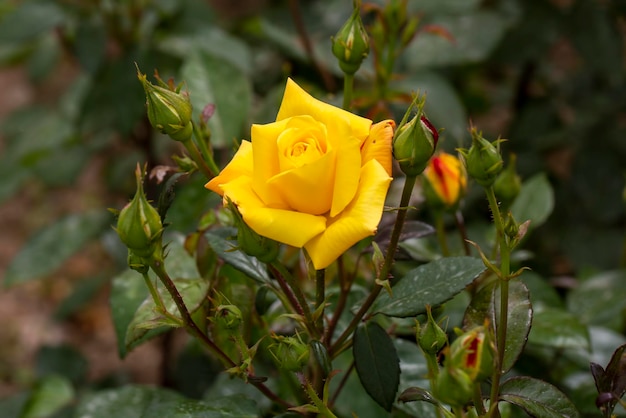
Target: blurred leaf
point(543, 294)
point(227, 250)
point(475, 36)
point(91, 40)
point(443, 6)
point(430, 284)
point(128, 291)
point(62, 360)
point(50, 394)
point(214, 80)
point(29, 20)
point(41, 137)
point(600, 300)
point(45, 57)
point(83, 293)
point(486, 305)
point(377, 363)
point(558, 329)
point(62, 166)
point(51, 246)
point(443, 105)
point(535, 201)
point(136, 401)
point(537, 398)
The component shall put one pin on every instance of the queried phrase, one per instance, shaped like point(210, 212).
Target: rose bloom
point(447, 179)
point(316, 178)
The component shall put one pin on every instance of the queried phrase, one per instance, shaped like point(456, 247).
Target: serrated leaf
point(148, 321)
point(537, 398)
point(377, 363)
point(535, 201)
point(51, 246)
point(226, 249)
point(559, 329)
point(137, 401)
point(214, 80)
point(430, 284)
point(49, 395)
point(486, 305)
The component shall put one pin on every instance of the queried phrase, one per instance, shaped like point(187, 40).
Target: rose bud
point(414, 144)
point(290, 353)
point(445, 181)
point(430, 337)
point(483, 160)
point(351, 43)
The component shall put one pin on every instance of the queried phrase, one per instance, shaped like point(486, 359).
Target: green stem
point(293, 292)
point(191, 147)
point(158, 267)
point(478, 400)
point(320, 298)
point(156, 296)
point(460, 225)
point(348, 87)
point(338, 345)
point(505, 259)
point(204, 149)
point(441, 233)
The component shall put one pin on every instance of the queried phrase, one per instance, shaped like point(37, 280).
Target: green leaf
point(147, 318)
point(558, 328)
point(600, 300)
point(429, 284)
point(537, 398)
point(50, 247)
point(83, 293)
point(486, 305)
point(12, 406)
point(214, 80)
point(29, 20)
point(535, 201)
point(128, 291)
point(49, 395)
point(227, 250)
point(63, 361)
point(377, 363)
point(136, 401)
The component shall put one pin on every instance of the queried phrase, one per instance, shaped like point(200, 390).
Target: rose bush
point(316, 178)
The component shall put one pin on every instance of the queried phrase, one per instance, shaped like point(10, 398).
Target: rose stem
point(206, 153)
point(409, 183)
point(348, 87)
point(441, 233)
point(460, 224)
point(158, 267)
point(504, 301)
point(320, 296)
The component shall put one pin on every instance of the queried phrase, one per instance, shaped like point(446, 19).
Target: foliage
point(545, 75)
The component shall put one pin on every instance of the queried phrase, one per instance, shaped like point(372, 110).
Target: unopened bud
point(139, 224)
point(472, 352)
point(453, 387)
point(508, 184)
point(445, 181)
point(228, 316)
point(290, 353)
point(137, 263)
point(430, 337)
point(168, 111)
point(414, 143)
point(511, 227)
point(483, 160)
point(251, 243)
point(351, 43)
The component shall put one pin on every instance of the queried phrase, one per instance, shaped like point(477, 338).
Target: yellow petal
point(347, 175)
point(309, 188)
point(240, 165)
point(289, 227)
point(377, 146)
point(359, 220)
point(266, 164)
point(298, 102)
point(446, 175)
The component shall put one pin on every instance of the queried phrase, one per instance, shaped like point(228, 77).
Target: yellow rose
point(446, 180)
point(316, 178)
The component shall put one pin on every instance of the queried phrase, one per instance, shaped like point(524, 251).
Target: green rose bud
point(168, 111)
point(228, 316)
point(351, 43)
point(508, 184)
point(453, 387)
point(290, 353)
point(472, 352)
point(483, 160)
point(139, 224)
point(511, 227)
point(414, 143)
point(137, 263)
point(251, 243)
point(430, 337)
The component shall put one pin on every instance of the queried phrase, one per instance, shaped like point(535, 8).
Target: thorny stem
point(158, 267)
point(504, 302)
point(409, 183)
point(191, 147)
point(154, 293)
point(460, 225)
point(320, 298)
point(204, 150)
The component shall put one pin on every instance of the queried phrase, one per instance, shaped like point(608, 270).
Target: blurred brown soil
point(27, 310)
